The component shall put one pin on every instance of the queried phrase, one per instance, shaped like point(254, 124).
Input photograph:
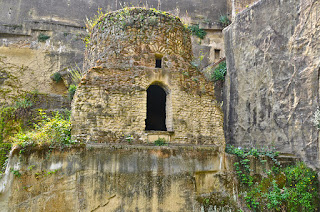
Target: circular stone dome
point(134, 37)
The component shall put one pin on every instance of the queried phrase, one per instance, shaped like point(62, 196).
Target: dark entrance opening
point(156, 108)
point(158, 63)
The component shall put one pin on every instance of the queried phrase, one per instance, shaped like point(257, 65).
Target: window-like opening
point(158, 63)
point(217, 54)
point(156, 108)
point(158, 60)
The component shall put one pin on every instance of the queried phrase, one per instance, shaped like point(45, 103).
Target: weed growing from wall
point(160, 142)
point(195, 30)
point(15, 172)
point(57, 77)
point(71, 91)
point(23, 103)
point(43, 37)
point(220, 72)
point(224, 20)
point(76, 74)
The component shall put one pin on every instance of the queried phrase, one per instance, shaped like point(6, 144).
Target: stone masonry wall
point(272, 84)
point(110, 103)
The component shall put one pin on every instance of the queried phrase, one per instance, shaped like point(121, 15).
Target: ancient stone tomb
point(141, 86)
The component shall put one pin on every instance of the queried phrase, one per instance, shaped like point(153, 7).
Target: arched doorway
point(156, 108)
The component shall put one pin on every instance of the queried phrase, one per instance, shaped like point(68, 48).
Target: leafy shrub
point(220, 72)
point(294, 188)
point(57, 77)
point(15, 172)
point(302, 183)
point(160, 142)
point(71, 91)
point(43, 37)
point(195, 30)
point(23, 103)
point(224, 20)
point(52, 130)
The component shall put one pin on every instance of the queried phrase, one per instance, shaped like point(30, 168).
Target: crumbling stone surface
point(272, 85)
point(111, 101)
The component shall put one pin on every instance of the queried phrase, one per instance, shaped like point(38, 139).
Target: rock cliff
point(272, 85)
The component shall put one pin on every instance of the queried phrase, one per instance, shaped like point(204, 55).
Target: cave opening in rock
point(156, 108)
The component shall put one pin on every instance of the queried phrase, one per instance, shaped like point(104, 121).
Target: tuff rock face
point(117, 178)
point(272, 86)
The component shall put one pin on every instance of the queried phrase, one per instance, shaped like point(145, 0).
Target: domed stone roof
point(135, 37)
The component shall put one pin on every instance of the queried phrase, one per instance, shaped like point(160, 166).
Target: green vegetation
point(123, 18)
point(76, 74)
point(43, 37)
point(90, 23)
point(294, 188)
point(195, 30)
point(57, 77)
point(160, 142)
point(44, 173)
point(31, 167)
point(54, 130)
point(129, 138)
point(71, 91)
point(220, 72)
point(18, 126)
point(224, 20)
point(9, 123)
point(15, 172)
point(4, 151)
point(196, 62)
point(23, 103)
